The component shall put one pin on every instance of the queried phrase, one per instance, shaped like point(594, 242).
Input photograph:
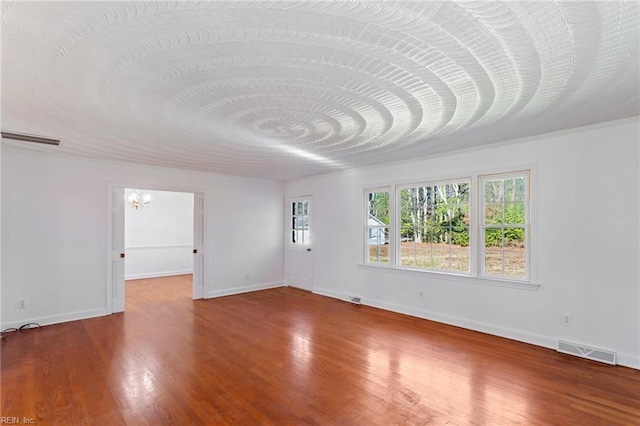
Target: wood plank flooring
point(288, 357)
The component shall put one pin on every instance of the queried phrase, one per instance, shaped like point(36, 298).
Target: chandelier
point(135, 200)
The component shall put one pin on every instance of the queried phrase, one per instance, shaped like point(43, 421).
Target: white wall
point(588, 242)
point(55, 225)
point(158, 238)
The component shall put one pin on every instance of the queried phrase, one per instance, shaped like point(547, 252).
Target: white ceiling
point(290, 89)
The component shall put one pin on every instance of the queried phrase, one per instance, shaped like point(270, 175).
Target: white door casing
point(300, 238)
point(116, 263)
point(198, 246)
point(115, 279)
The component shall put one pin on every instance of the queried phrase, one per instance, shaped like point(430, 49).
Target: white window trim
point(365, 226)
point(291, 200)
point(475, 276)
point(480, 258)
point(442, 275)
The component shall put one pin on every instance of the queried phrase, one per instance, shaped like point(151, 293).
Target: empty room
point(372, 213)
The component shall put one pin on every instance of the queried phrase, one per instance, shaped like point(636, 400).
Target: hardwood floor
point(285, 356)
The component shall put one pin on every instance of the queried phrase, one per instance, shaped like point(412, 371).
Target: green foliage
point(440, 213)
point(514, 213)
point(510, 214)
point(460, 237)
point(435, 214)
point(379, 206)
point(493, 237)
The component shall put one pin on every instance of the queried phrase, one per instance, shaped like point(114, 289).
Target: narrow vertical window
point(377, 221)
point(504, 223)
point(434, 226)
point(300, 222)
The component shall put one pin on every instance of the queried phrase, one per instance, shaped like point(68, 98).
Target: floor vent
point(356, 300)
point(586, 352)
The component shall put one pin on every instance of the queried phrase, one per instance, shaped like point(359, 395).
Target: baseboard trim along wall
point(154, 261)
point(243, 289)
point(623, 359)
point(158, 274)
point(101, 312)
point(57, 319)
point(159, 247)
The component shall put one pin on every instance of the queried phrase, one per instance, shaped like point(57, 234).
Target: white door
point(117, 250)
point(300, 238)
point(198, 246)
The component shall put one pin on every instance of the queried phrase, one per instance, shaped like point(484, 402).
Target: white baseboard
point(157, 274)
point(628, 360)
point(509, 333)
point(244, 289)
point(328, 293)
point(57, 319)
point(623, 359)
point(159, 247)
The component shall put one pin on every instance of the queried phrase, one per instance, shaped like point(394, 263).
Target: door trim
point(111, 187)
point(199, 246)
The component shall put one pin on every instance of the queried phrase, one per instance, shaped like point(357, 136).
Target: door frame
point(114, 186)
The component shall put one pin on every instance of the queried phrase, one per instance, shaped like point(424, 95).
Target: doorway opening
point(158, 244)
point(161, 235)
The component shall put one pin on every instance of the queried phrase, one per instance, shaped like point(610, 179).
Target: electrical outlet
point(566, 320)
point(22, 304)
point(246, 275)
point(420, 295)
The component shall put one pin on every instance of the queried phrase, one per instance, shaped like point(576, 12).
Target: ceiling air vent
point(593, 354)
point(30, 138)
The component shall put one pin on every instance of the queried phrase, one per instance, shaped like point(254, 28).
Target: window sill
point(500, 282)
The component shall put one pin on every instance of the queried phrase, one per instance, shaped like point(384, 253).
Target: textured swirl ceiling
point(290, 89)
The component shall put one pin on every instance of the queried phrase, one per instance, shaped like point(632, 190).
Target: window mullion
point(394, 224)
point(475, 238)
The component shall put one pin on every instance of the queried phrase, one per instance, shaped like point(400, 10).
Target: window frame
point(398, 191)
point(365, 200)
point(476, 273)
point(293, 219)
point(482, 226)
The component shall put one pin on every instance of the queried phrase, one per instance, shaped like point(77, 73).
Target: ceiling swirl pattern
point(290, 89)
